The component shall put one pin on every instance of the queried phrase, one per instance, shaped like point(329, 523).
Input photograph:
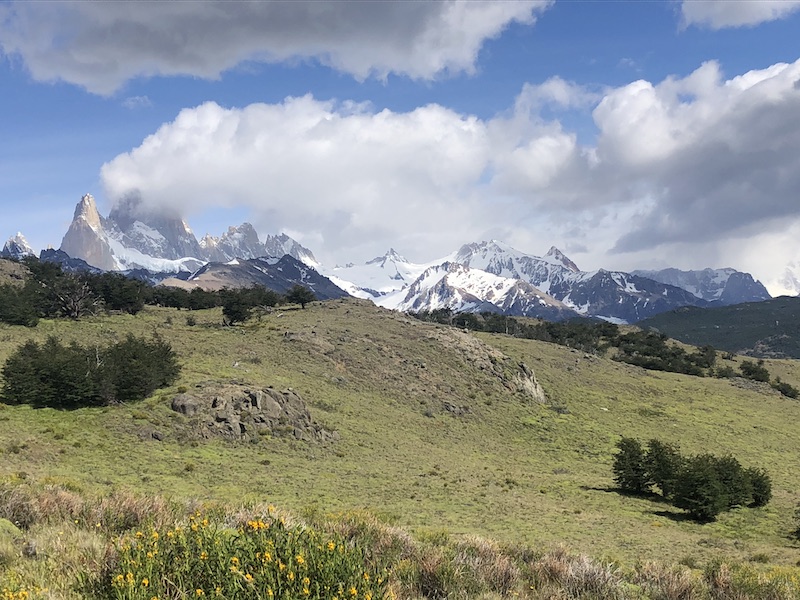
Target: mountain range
point(481, 276)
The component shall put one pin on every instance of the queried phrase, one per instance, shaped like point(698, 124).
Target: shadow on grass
point(677, 517)
point(651, 496)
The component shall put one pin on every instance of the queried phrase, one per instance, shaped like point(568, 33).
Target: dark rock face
point(242, 413)
point(277, 275)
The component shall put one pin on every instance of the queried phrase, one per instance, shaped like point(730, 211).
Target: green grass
point(512, 470)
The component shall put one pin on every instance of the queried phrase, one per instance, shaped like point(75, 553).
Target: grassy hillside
point(511, 468)
point(769, 328)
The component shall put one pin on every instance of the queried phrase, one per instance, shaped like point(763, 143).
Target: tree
point(663, 462)
point(698, 489)
point(754, 371)
point(235, 309)
point(630, 471)
point(761, 486)
point(135, 367)
point(301, 295)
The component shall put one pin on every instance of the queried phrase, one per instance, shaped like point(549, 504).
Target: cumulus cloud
point(680, 166)
point(720, 157)
point(101, 45)
point(718, 14)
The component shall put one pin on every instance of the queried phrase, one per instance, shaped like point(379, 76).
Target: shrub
point(630, 470)
point(699, 490)
point(300, 295)
point(260, 559)
point(663, 462)
point(755, 371)
point(59, 376)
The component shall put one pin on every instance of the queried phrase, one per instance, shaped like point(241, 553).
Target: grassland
point(513, 469)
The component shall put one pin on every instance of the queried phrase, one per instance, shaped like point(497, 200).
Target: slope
point(768, 329)
point(499, 463)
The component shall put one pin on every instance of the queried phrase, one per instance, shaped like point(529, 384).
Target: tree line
point(49, 292)
point(703, 485)
point(647, 349)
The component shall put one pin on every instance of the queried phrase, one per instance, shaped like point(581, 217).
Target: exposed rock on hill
point(242, 413)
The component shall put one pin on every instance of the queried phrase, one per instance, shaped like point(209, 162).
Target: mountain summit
point(17, 247)
point(135, 237)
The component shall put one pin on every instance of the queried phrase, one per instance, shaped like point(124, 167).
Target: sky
point(629, 134)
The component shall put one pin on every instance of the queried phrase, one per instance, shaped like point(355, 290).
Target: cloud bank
point(101, 45)
point(677, 165)
point(719, 14)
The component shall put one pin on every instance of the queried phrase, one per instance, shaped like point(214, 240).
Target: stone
point(185, 404)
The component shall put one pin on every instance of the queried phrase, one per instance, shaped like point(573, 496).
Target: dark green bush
point(71, 376)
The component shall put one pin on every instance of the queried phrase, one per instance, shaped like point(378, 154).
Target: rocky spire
point(86, 237)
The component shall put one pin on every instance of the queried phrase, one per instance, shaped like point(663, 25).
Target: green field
point(511, 469)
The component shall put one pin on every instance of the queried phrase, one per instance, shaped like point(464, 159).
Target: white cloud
point(101, 45)
point(134, 102)
point(680, 169)
point(718, 14)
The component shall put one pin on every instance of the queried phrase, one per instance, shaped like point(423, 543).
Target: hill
point(766, 329)
point(437, 430)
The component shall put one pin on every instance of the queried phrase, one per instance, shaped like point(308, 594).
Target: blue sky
point(629, 134)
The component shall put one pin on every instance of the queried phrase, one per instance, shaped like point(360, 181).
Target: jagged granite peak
point(17, 247)
point(279, 245)
point(87, 210)
point(721, 286)
point(561, 258)
point(86, 238)
point(159, 233)
point(236, 242)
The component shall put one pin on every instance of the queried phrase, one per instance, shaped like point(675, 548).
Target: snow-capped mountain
point(611, 295)
point(377, 277)
point(277, 274)
point(487, 275)
point(281, 245)
point(460, 288)
point(132, 237)
point(17, 247)
point(721, 286)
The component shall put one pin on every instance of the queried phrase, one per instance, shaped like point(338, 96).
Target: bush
point(663, 462)
point(755, 371)
point(260, 559)
point(630, 470)
point(300, 295)
point(59, 376)
point(699, 490)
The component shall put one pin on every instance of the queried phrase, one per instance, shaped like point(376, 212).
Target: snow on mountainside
point(280, 245)
point(377, 277)
point(723, 286)
point(789, 282)
point(459, 288)
point(17, 247)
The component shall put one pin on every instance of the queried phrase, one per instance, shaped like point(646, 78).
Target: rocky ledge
point(240, 412)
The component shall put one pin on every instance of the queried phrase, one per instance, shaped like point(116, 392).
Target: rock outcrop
point(241, 413)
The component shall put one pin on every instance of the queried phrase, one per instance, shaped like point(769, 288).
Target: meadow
point(522, 473)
